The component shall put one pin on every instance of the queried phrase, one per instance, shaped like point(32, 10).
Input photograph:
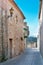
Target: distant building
point(31, 42)
point(31, 45)
point(12, 36)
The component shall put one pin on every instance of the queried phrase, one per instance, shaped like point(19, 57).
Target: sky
point(30, 9)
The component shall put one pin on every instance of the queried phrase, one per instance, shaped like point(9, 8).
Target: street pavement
point(29, 57)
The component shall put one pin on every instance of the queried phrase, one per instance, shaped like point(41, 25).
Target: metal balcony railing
point(25, 36)
point(25, 29)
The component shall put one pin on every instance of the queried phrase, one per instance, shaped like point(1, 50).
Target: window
point(16, 19)
point(21, 38)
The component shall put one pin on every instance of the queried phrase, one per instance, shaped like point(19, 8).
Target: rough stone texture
point(3, 29)
point(11, 28)
point(15, 31)
point(0, 35)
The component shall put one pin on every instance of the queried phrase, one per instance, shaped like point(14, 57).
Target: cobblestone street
point(29, 57)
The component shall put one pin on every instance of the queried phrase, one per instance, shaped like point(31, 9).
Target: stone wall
point(15, 31)
point(3, 29)
point(11, 28)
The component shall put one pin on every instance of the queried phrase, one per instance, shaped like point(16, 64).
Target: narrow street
point(29, 57)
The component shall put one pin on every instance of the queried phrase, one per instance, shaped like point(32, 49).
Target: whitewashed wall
point(41, 31)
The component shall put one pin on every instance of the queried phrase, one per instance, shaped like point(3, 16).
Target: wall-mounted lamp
point(11, 12)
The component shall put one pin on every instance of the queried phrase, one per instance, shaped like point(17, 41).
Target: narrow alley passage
point(29, 57)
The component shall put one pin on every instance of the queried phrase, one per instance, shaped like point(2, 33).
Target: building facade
point(15, 24)
point(26, 32)
point(3, 29)
point(41, 27)
point(11, 29)
point(31, 45)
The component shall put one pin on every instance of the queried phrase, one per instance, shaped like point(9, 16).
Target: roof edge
point(17, 8)
point(40, 8)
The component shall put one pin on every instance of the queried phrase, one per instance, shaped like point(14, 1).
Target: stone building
point(31, 42)
point(26, 32)
point(3, 29)
point(12, 41)
point(15, 24)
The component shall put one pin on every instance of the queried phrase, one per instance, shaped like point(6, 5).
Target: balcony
point(28, 32)
point(25, 36)
point(25, 29)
